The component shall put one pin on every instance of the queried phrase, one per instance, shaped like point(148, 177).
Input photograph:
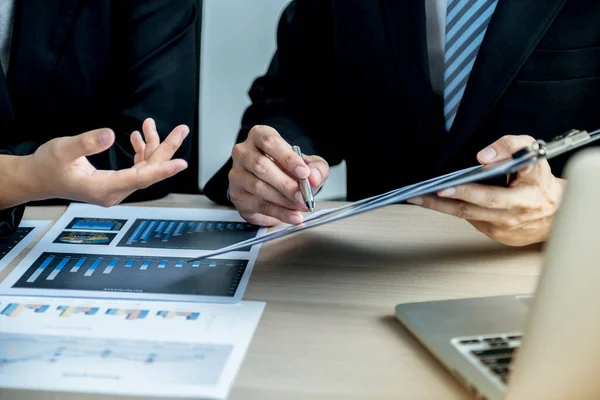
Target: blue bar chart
point(188, 315)
point(15, 309)
point(133, 274)
point(129, 314)
point(67, 311)
point(189, 235)
point(96, 224)
point(9, 242)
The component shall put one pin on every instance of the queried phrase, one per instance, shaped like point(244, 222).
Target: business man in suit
point(407, 90)
point(73, 66)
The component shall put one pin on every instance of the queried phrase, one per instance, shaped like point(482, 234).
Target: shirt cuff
point(10, 219)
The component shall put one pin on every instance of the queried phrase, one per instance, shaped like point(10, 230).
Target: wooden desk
point(328, 331)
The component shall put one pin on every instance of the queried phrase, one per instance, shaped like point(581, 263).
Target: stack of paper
point(108, 302)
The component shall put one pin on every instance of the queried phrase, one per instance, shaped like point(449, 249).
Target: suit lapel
point(514, 31)
point(406, 27)
point(40, 31)
point(7, 115)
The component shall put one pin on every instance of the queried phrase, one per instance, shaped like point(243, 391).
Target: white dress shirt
point(7, 8)
point(436, 41)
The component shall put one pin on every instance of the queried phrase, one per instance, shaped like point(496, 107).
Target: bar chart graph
point(67, 311)
point(188, 315)
point(133, 274)
point(14, 309)
point(192, 235)
point(96, 224)
point(9, 242)
point(129, 314)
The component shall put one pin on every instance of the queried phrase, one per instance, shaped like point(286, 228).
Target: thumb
point(319, 170)
point(86, 144)
point(503, 148)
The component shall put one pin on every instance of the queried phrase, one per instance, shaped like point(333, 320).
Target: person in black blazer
point(354, 80)
point(78, 66)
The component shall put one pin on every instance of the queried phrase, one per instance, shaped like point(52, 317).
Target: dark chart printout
point(7, 243)
point(134, 274)
point(189, 235)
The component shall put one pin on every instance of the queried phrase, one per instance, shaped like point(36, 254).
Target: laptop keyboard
point(492, 354)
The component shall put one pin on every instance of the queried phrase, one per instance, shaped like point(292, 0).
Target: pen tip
point(310, 205)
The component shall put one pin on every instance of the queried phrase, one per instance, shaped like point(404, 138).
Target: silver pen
point(305, 188)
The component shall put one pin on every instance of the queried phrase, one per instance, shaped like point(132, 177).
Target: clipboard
point(537, 151)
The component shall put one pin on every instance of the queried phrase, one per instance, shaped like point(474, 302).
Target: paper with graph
point(138, 253)
point(143, 348)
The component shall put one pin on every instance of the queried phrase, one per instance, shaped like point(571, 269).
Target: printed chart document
point(139, 253)
point(141, 348)
point(13, 244)
point(108, 303)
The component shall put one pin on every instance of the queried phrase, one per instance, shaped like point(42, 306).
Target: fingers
point(259, 219)
point(167, 149)
point(151, 137)
point(135, 178)
point(152, 150)
point(267, 171)
point(249, 204)
point(108, 188)
point(319, 171)
point(264, 179)
point(503, 148)
point(487, 196)
point(244, 180)
point(86, 144)
point(154, 173)
point(464, 210)
point(272, 144)
point(139, 146)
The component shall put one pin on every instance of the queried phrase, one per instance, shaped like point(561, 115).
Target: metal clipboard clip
point(561, 144)
point(541, 149)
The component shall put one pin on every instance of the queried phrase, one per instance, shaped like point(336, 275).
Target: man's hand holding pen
point(264, 180)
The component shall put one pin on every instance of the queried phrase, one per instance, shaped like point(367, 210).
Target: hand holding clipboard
point(527, 156)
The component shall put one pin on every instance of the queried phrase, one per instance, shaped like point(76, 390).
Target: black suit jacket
point(78, 65)
point(350, 81)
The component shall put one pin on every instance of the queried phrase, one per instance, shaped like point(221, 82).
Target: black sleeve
point(156, 77)
point(295, 94)
point(10, 218)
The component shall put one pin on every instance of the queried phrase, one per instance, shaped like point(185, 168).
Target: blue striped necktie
point(466, 24)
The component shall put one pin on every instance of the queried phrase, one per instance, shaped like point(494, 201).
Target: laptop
point(544, 345)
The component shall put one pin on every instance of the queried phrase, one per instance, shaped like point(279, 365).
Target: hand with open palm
point(60, 168)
